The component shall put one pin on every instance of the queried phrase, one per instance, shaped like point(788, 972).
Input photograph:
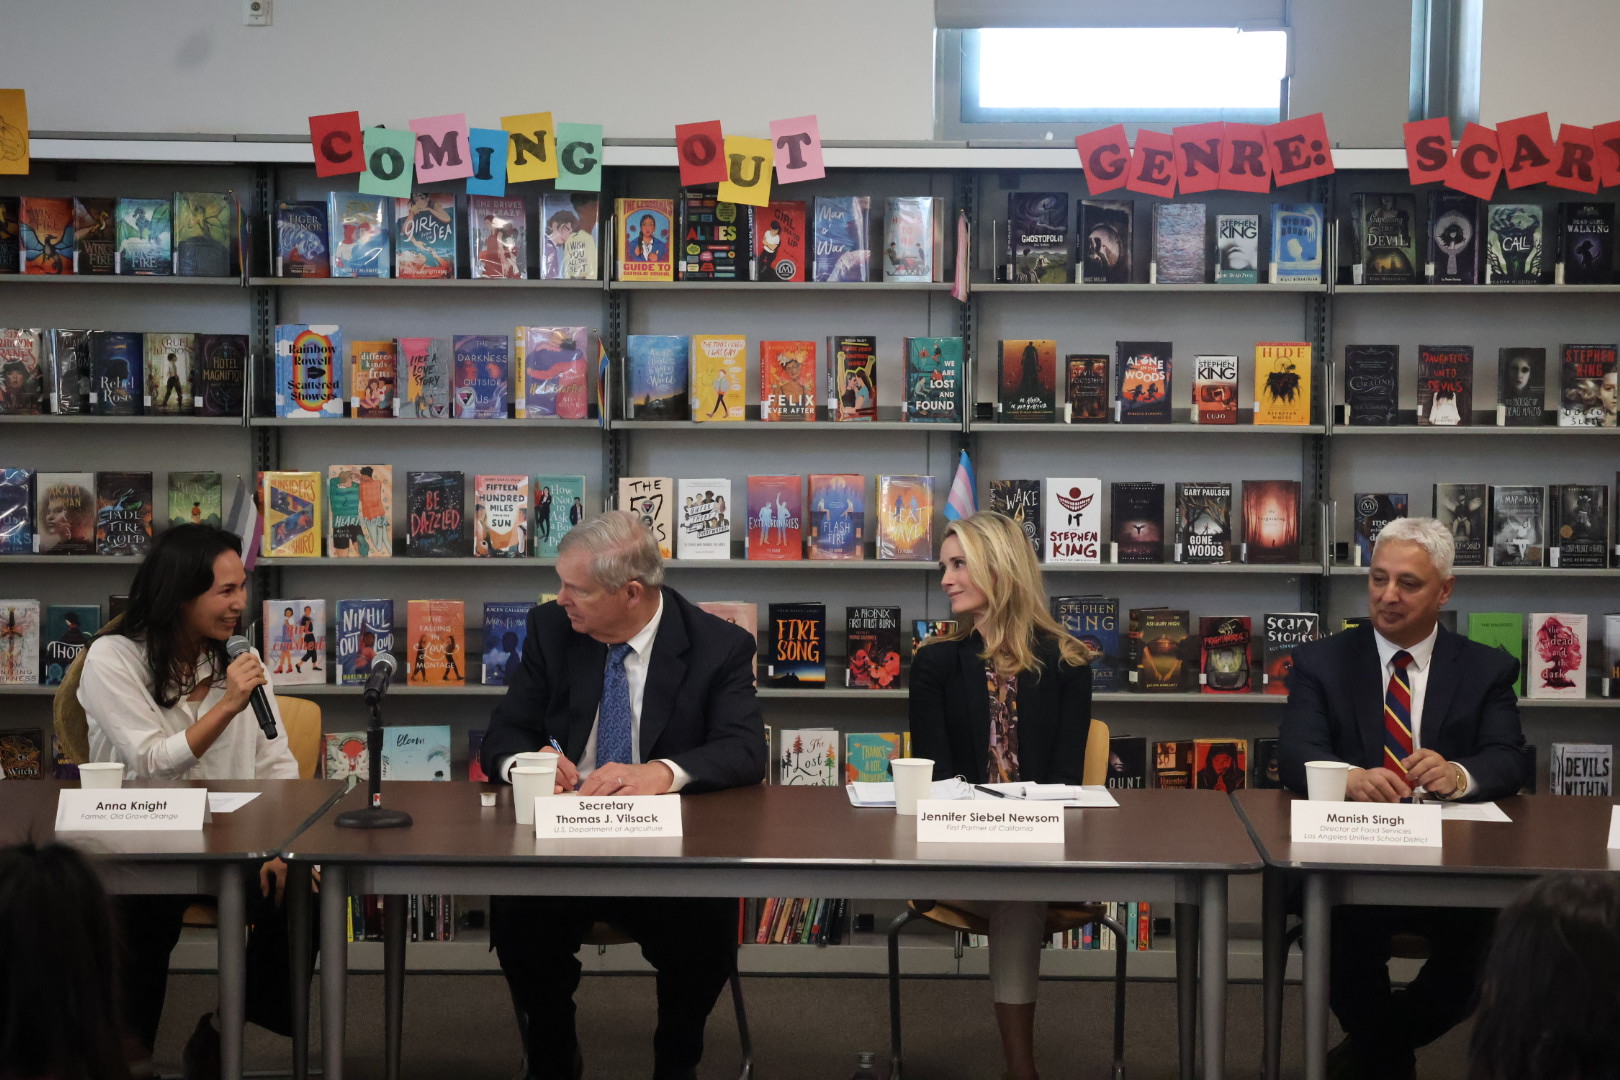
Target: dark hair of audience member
point(1550, 996)
point(58, 960)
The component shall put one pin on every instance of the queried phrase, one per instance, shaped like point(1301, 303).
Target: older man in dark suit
point(1411, 706)
point(645, 694)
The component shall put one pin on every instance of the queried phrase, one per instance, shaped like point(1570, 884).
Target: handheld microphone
point(234, 647)
point(383, 666)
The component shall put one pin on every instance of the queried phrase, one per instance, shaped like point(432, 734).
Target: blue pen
point(555, 745)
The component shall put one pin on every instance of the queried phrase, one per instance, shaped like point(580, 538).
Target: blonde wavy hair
point(1002, 565)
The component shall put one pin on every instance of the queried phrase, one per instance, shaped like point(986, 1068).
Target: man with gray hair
point(1412, 707)
point(644, 693)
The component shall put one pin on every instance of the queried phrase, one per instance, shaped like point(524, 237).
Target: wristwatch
point(1462, 782)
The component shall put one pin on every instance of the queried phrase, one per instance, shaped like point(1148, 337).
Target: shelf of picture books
point(112, 376)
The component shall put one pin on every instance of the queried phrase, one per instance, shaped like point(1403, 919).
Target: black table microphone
point(383, 666)
point(234, 647)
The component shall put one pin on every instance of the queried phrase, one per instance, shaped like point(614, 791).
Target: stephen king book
point(1144, 382)
point(555, 373)
point(68, 629)
point(1180, 244)
point(843, 238)
point(497, 237)
point(1095, 621)
point(837, 525)
point(703, 518)
point(220, 379)
point(1226, 654)
point(19, 642)
point(506, 627)
point(1296, 243)
point(1086, 388)
point(170, 361)
point(719, 382)
point(1386, 238)
point(301, 240)
point(123, 513)
point(913, 238)
point(425, 235)
point(1586, 396)
point(1445, 385)
point(1516, 244)
point(373, 370)
point(145, 238)
point(362, 629)
point(1027, 382)
point(65, 513)
point(1556, 667)
point(95, 236)
point(195, 498)
point(483, 386)
point(1578, 529)
point(872, 636)
point(47, 235)
point(797, 655)
point(1037, 237)
point(779, 242)
point(1215, 389)
point(1282, 383)
point(67, 370)
point(1271, 521)
point(1073, 513)
point(1203, 522)
point(714, 242)
point(934, 380)
point(1237, 249)
point(1166, 666)
point(1374, 510)
point(309, 371)
point(501, 516)
point(1372, 385)
point(1104, 255)
point(116, 375)
point(360, 511)
point(1521, 388)
point(657, 366)
point(22, 372)
point(787, 380)
point(435, 642)
point(1021, 501)
point(204, 230)
point(292, 514)
point(1586, 249)
point(645, 238)
point(16, 511)
point(559, 505)
point(1456, 238)
point(426, 374)
point(852, 378)
point(1283, 632)
point(905, 529)
point(775, 517)
point(1138, 521)
point(435, 505)
point(1461, 508)
point(652, 498)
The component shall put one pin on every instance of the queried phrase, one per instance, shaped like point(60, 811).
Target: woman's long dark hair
point(58, 968)
point(1550, 997)
point(178, 569)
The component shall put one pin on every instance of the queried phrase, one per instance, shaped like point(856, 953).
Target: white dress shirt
point(1417, 677)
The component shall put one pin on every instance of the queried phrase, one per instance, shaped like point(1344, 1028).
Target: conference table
point(1481, 864)
point(209, 861)
point(1160, 846)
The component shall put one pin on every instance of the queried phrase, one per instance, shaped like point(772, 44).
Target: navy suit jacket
point(1470, 711)
point(698, 709)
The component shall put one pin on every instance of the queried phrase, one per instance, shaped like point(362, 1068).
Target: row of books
point(1584, 392)
point(1564, 526)
point(116, 373)
point(782, 920)
point(108, 513)
point(194, 234)
point(431, 916)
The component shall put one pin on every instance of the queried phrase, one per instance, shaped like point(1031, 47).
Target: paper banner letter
point(13, 134)
point(748, 171)
point(579, 157)
point(1476, 164)
point(441, 148)
point(797, 143)
point(1575, 160)
point(488, 149)
point(1606, 137)
point(1428, 149)
point(1153, 164)
point(388, 162)
point(532, 154)
point(339, 148)
point(1105, 156)
point(701, 149)
point(1198, 157)
point(1245, 165)
point(1526, 146)
point(1299, 150)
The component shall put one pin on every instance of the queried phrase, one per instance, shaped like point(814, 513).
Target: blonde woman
point(1005, 698)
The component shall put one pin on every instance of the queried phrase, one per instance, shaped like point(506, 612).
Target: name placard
point(1006, 821)
point(1614, 827)
point(1391, 824)
point(574, 817)
point(130, 809)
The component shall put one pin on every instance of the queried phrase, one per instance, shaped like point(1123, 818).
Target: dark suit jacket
point(1470, 712)
point(950, 713)
point(698, 710)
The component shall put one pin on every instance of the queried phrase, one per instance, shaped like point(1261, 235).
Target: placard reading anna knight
point(95, 809)
point(1001, 822)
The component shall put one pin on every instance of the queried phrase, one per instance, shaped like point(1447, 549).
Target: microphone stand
point(375, 815)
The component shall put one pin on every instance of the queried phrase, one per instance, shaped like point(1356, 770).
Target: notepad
point(1472, 811)
point(223, 802)
point(882, 793)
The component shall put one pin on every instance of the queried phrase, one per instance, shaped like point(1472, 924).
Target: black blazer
point(698, 710)
point(1470, 712)
point(950, 713)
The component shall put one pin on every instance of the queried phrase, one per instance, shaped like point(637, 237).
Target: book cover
point(359, 236)
point(1385, 237)
point(1086, 398)
point(169, 361)
point(19, 642)
point(1037, 237)
point(497, 237)
point(1521, 390)
point(116, 373)
point(719, 383)
point(556, 374)
point(68, 629)
point(1611, 654)
point(1133, 644)
point(95, 236)
point(808, 757)
point(435, 632)
point(22, 372)
point(1581, 769)
point(1296, 243)
point(787, 380)
point(309, 371)
point(775, 517)
point(1237, 249)
point(1220, 764)
point(905, 530)
point(65, 513)
point(1165, 666)
point(1180, 244)
point(1215, 389)
point(219, 380)
point(867, 754)
point(434, 505)
point(1371, 385)
point(360, 511)
point(1586, 249)
point(779, 242)
point(1026, 382)
point(1137, 513)
point(22, 754)
point(703, 529)
point(47, 235)
point(652, 499)
point(123, 513)
point(1073, 513)
point(1203, 522)
point(1144, 382)
point(506, 627)
point(204, 225)
point(301, 240)
point(1226, 654)
point(1586, 394)
point(10, 242)
point(361, 630)
point(569, 242)
point(1461, 508)
point(914, 236)
point(1094, 620)
point(739, 613)
point(657, 366)
point(714, 242)
point(426, 373)
point(295, 633)
point(1271, 521)
point(16, 511)
point(872, 638)
point(1282, 383)
point(292, 518)
point(501, 516)
point(1516, 244)
point(373, 375)
point(1556, 667)
point(1173, 764)
point(1445, 385)
point(1021, 501)
point(1578, 529)
point(797, 654)
point(644, 239)
point(852, 377)
point(1456, 225)
point(1518, 525)
point(1281, 633)
point(420, 752)
point(924, 630)
point(483, 387)
point(1500, 630)
point(1374, 511)
point(1265, 770)
point(1127, 762)
point(1104, 250)
point(559, 503)
point(843, 238)
point(145, 236)
point(837, 526)
point(67, 371)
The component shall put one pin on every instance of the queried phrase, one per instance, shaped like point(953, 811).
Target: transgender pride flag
point(963, 501)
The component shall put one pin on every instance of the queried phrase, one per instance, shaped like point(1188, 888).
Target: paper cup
point(535, 757)
point(1325, 780)
point(528, 783)
point(913, 778)
point(101, 774)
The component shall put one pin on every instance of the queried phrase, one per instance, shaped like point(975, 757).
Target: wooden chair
point(1060, 918)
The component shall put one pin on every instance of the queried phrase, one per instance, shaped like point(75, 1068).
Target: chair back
point(1095, 770)
point(67, 715)
point(301, 719)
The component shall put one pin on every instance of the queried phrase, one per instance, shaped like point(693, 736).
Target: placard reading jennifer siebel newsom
point(574, 817)
point(1005, 821)
point(1389, 824)
point(131, 809)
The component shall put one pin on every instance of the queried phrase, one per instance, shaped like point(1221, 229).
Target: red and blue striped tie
point(1398, 715)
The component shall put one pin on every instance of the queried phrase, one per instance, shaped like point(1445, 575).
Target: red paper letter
point(1106, 158)
point(1575, 160)
point(1198, 157)
point(699, 148)
point(1428, 149)
point(1153, 164)
point(1299, 150)
point(336, 138)
point(1606, 138)
point(1477, 163)
point(1526, 146)
point(1244, 164)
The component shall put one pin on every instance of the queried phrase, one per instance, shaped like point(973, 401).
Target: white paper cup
point(1325, 780)
point(528, 783)
point(913, 779)
point(535, 757)
point(101, 774)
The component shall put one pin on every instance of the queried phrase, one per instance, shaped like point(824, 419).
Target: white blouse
point(126, 724)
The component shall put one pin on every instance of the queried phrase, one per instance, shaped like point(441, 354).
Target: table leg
point(1212, 972)
point(232, 969)
point(394, 912)
point(298, 905)
point(1187, 988)
point(1274, 964)
point(334, 968)
point(1314, 949)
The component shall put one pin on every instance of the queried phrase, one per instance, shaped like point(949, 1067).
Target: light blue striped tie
point(614, 717)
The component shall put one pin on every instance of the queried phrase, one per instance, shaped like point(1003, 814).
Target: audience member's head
point(1549, 1005)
